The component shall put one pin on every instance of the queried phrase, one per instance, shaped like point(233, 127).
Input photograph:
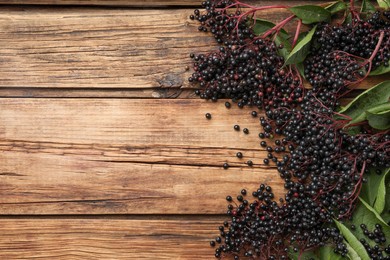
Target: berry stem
point(278, 26)
point(378, 45)
point(253, 10)
point(368, 61)
point(255, 7)
point(297, 33)
point(353, 11)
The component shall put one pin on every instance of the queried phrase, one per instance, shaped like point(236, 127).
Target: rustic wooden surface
point(104, 150)
point(110, 156)
point(131, 3)
point(98, 49)
point(107, 238)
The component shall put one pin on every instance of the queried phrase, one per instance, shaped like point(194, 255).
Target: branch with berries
point(334, 160)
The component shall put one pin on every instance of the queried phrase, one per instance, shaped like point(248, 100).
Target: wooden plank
point(101, 48)
point(96, 47)
point(107, 238)
point(138, 3)
point(97, 93)
point(179, 122)
point(41, 185)
point(168, 93)
point(110, 156)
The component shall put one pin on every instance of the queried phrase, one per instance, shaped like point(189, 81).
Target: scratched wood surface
point(107, 238)
point(143, 52)
point(104, 150)
point(110, 156)
point(131, 3)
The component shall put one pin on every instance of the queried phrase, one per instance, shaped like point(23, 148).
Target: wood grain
point(46, 184)
point(151, 3)
point(82, 177)
point(110, 156)
point(85, 48)
point(165, 93)
point(107, 238)
point(125, 122)
point(170, 93)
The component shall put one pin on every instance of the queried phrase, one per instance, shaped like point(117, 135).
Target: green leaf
point(367, 7)
point(327, 253)
point(352, 254)
point(354, 130)
point(353, 241)
point(285, 51)
point(379, 117)
point(370, 98)
point(311, 13)
point(373, 211)
point(301, 50)
point(386, 216)
point(261, 26)
point(308, 255)
point(363, 215)
point(336, 7)
point(348, 19)
point(369, 190)
point(384, 4)
point(380, 201)
point(386, 212)
point(379, 108)
point(301, 36)
point(301, 69)
point(380, 70)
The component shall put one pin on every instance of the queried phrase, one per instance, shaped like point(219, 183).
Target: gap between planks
point(159, 93)
point(135, 217)
point(118, 156)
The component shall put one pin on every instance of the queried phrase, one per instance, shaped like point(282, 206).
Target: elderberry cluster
point(378, 251)
point(330, 162)
point(246, 68)
point(323, 172)
point(322, 166)
point(266, 229)
point(343, 55)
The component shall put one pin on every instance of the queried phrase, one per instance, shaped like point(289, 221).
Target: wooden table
point(105, 152)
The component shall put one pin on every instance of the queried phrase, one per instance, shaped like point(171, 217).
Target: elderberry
point(322, 166)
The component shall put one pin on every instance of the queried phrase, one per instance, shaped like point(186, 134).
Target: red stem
point(369, 61)
point(278, 26)
point(297, 32)
point(243, 4)
point(255, 9)
point(343, 116)
point(352, 4)
point(378, 45)
point(354, 13)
